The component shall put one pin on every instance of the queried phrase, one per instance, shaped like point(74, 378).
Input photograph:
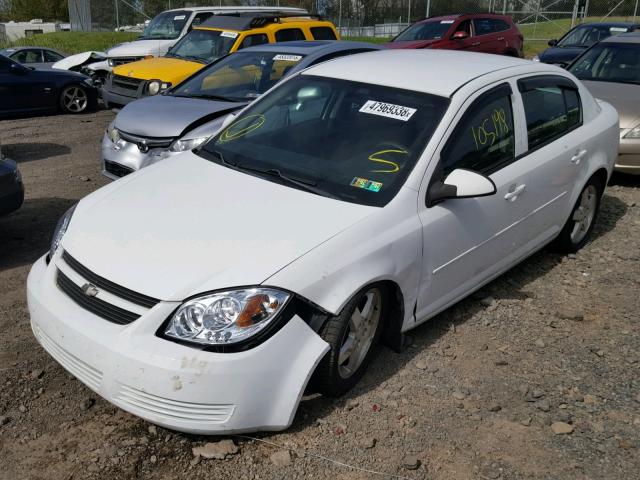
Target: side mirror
point(460, 183)
point(460, 35)
point(552, 43)
point(17, 69)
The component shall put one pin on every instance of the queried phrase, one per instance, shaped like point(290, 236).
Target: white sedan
point(348, 205)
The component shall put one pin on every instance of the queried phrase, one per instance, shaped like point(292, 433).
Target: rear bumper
point(169, 384)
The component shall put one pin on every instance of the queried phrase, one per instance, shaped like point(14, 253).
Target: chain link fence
point(539, 20)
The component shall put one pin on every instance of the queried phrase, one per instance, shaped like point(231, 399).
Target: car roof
point(27, 47)
point(439, 72)
point(630, 37)
point(236, 9)
point(303, 47)
point(607, 24)
point(249, 21)
point(461, 15)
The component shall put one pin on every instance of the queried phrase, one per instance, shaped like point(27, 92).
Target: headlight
point(153, 88)
point(111, 62)
point(633, 133)
point(60, 230)
point(226, 318)
point(536, 58)
point(184, 145)
point(113, 134)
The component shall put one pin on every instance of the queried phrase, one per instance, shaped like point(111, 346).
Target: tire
point(576, 232)
point(339, 371)
point(74, 99)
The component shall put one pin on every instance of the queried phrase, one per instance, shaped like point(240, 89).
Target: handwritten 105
point(491, 129)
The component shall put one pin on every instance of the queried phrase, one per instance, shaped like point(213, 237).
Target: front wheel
point(74, 99)
point(579, 226)
point(352, 336)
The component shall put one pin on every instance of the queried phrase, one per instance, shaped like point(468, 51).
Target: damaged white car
point(353, 202)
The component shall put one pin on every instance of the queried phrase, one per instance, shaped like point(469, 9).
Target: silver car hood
point(166, 116)
point(623, 96)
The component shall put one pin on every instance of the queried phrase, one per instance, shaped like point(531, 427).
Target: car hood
point(561, 55)
point(186, 225)
point(411, 44)
point(172, 70)
point(624, 97)
point(78, 59)
point(168, 116)
point(140, 48)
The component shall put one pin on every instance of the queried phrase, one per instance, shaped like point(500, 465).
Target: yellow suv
point(213, 39)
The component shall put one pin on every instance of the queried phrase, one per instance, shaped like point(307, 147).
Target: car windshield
point(167, 25)
point(204, 46)
point(425, 31)
point(587, 35)
point(239, 77)
point(609, 62)
point(352, 141)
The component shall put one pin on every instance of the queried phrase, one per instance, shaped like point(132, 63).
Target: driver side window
point(484, 139)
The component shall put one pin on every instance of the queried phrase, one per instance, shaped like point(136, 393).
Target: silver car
point(153, 128)
point(611, 71)
point(36, 57)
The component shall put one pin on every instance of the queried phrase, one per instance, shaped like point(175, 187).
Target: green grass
point(74, 42)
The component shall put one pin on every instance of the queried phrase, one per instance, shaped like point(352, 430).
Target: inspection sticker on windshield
point(229, 34)
point(617, 29)
point(179, 17)
point(366, 184)
point(288, 58)
point(388, 110)
point(446, 21)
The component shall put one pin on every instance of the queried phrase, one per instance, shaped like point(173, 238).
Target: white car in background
point(351, 203)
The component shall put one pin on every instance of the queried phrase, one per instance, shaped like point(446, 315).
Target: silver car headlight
point(185, 145)
point(113, 133)
point(61, 229)
point(634, 133)
point(227, 317)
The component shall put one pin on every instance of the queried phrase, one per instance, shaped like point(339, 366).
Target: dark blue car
point(578, 39)
point(24, 90)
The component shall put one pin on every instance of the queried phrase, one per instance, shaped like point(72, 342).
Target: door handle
point(475, 44)
point(578, 156)
point(500, 38)
point(514, 192)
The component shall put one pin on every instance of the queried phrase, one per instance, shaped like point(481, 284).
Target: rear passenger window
point(484, 140)
point(253, 40)
point(500, 25)
point(289, 35)
point(552, 108)
point(323, 33)
point(483, 26)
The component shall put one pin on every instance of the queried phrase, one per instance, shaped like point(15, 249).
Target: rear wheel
point(352, 336)
point(579, 226)
point(74, 99)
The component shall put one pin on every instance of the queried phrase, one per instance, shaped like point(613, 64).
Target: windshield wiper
point(194, 58)
point(306, 184)
point(210, 97)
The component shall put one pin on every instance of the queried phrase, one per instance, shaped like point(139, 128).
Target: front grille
point(96, 306)
point(126, 83)
point(151, 142)
point(104, 284)
point(114, 62)
point(117, 169)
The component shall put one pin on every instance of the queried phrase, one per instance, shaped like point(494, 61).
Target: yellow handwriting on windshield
point(394, 167)
point(491, 129)
point(242, 127)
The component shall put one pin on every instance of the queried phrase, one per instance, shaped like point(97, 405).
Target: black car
point(24, 90)
point(11, 188)
point(578, 39)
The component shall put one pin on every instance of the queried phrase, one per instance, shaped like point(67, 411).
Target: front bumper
point(628, 160)
point(118, 162)
point(172, 385)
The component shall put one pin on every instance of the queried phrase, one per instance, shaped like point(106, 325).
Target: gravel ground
point(534, 377)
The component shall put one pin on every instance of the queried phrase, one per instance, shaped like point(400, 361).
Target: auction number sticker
point(179, 17)
point(388, 110)
point(618, 29)
point(229, 34)
point(446, 21)
point(288, 58)
point(366, 184)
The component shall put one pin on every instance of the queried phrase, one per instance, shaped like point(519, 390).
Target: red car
point(485, 32)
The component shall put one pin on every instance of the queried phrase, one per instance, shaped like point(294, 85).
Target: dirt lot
point(478, 395)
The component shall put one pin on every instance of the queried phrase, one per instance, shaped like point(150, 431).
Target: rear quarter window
point(289, 35)
point(323, 33)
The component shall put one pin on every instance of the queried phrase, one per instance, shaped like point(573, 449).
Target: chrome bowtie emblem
point(143, 147)
point(90, 290)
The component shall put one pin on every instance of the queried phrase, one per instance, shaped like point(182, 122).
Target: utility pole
point(635, 12)
point(409, 12)
point(428, 8)
point(117, 15)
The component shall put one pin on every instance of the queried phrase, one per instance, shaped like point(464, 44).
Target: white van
point(168, 27)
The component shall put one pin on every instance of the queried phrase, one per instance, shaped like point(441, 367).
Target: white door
point(468, 241)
